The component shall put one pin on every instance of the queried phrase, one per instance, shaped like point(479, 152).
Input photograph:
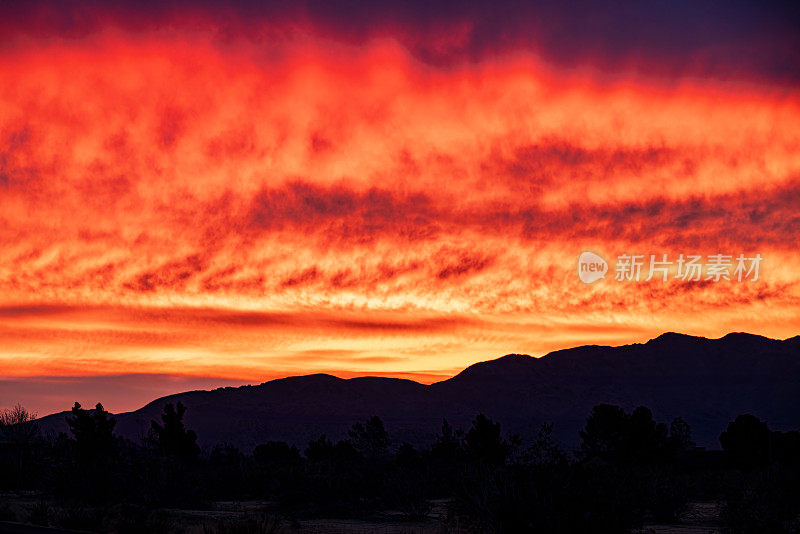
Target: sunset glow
point(297, 199)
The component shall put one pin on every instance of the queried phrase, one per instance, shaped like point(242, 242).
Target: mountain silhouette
point(708, 382)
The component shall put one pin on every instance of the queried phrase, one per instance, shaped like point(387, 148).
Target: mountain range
point(708, 382)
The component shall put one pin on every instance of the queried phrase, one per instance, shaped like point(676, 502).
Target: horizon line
point(343, 375)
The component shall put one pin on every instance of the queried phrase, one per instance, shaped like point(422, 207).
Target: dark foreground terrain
point(622, 468)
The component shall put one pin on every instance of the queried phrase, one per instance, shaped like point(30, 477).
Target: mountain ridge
point(705, 381)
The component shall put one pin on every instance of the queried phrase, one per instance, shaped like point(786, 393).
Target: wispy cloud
point(246, 198)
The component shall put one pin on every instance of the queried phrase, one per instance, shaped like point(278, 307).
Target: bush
point(41, 514)
point(7, 513)
point(767, 501)
point(76, 517)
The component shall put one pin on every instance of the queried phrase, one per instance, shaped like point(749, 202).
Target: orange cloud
point(170, 204)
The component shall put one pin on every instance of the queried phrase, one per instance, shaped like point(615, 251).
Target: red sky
point(181, 208)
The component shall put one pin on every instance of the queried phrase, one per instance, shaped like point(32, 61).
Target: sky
point(197, 194)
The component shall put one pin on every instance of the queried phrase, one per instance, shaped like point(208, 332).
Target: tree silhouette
point(97, 455)
point(323, 450)
point(680, 436)
point(17, 425)
point(606, 432)
point(448, 443)
point(19, 432)
point(746, 441)
point(371, 438)
point(786, 447)
point(635, 438)
point(545, 451)
point(630, 471)
point(226, 465)
point(277, 466)
point(333, 475)
point(484, 442)
point(173, 438)
point(647, 440)
point(276, 453)
point(94, 433)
